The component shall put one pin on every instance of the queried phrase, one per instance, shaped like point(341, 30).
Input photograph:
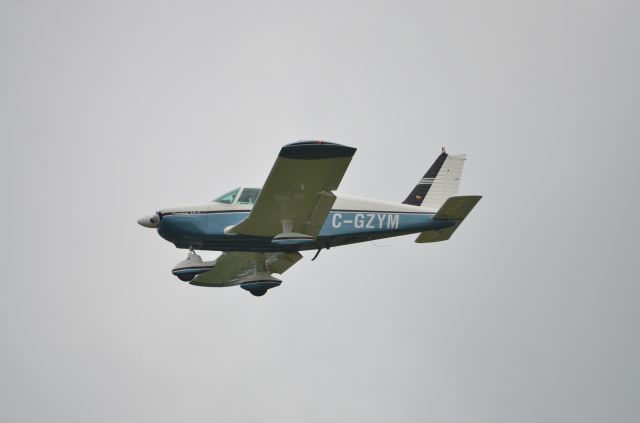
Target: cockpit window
point(228, 197)
point(249, 196)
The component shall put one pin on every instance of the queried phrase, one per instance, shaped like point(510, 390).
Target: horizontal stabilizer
point(455, 208)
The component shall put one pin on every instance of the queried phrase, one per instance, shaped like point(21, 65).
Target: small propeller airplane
point(261, 231)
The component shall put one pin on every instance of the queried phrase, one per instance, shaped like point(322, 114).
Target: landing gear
point(192, 266)
point(260, 287)
point(258, 292)
point(185, 277)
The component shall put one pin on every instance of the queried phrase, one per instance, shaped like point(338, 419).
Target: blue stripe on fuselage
point(206, 230)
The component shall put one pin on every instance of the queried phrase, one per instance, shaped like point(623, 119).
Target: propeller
point(150, 221)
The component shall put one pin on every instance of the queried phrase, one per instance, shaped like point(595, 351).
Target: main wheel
point(258, 292)
point(186, 276)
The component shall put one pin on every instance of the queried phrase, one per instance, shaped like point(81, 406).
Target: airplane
point(261, 231)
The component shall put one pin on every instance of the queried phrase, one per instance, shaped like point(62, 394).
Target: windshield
point(249, 196)
point(228, 197)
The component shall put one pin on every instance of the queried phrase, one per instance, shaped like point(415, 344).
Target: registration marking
point(367, 221)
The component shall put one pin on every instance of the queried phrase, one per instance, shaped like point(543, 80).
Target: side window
point(249, 196)
point(228, 197)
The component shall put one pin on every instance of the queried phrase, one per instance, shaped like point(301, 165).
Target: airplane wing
point(239, 268)
point(297, 197)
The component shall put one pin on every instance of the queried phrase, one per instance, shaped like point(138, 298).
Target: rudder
point(446, 183)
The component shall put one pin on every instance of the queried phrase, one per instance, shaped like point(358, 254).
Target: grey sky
point(111, 110)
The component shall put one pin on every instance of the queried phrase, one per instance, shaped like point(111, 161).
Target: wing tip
point(309, 150)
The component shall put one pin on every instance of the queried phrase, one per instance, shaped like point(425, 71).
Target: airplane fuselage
point(350, 221)
point(261, 231)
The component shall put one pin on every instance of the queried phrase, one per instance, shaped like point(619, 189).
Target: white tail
point(446, 183)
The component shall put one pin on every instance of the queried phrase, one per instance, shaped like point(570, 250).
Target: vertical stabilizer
point(446, 183)
point(417, 196)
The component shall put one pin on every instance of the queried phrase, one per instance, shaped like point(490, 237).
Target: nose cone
point(150, 221)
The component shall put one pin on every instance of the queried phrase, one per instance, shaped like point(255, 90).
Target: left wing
point(296, 198)
point(239, 268)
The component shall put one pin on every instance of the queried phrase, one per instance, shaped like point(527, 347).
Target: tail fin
point(446, 182)
point(439, 183)
point(454, 208)
point(416, 197)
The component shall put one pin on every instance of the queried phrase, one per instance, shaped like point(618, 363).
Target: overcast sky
point(112, 110)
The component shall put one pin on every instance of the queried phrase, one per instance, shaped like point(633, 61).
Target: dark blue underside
point(206, 231)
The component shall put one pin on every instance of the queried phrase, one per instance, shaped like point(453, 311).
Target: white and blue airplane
point(261, 231)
